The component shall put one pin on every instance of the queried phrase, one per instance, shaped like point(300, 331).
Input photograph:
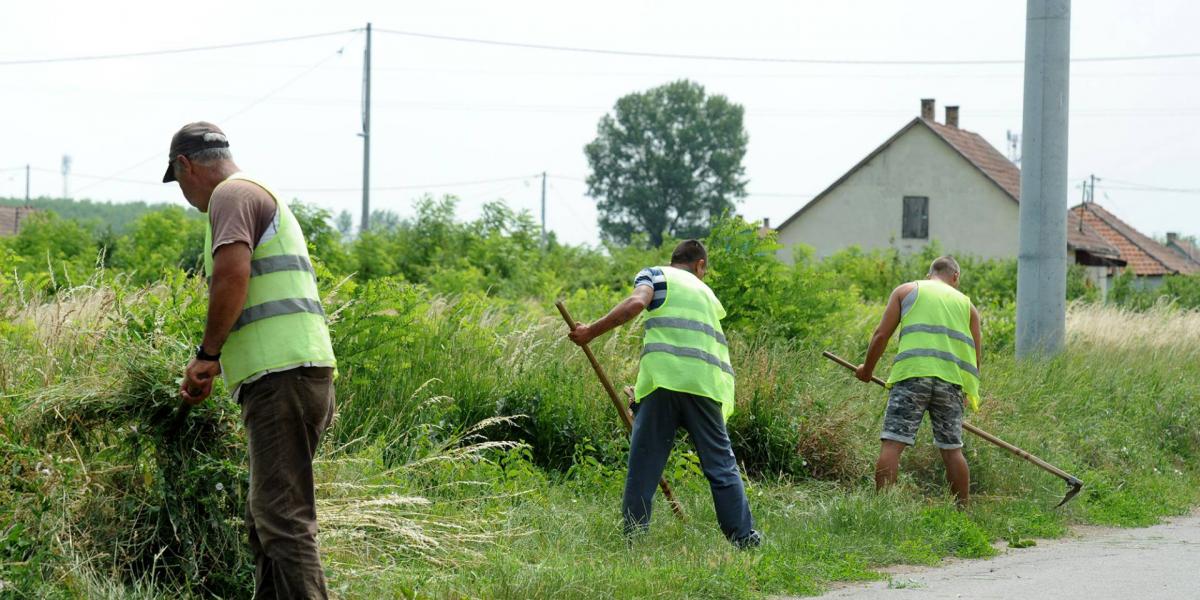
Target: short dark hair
point(688, 252)
point(945, 266)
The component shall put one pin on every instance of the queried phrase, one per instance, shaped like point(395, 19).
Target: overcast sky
point(447, 112)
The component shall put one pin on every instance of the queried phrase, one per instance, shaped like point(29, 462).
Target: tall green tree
point(668, 161)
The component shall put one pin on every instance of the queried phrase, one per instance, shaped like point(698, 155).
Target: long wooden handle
point(608, 386)
point(622, 410)
point(1071, 479)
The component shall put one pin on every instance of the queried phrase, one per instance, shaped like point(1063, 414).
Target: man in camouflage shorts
point(936, 370)
point(907, 403)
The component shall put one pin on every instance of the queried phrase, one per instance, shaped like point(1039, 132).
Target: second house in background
point(931, 181)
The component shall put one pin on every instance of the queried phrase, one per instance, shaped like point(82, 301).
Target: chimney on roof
point(766, 223)
point(952, 116)
point(927, 109)
point(1172, 237)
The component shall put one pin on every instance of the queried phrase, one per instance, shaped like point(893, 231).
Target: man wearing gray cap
point(266, 335)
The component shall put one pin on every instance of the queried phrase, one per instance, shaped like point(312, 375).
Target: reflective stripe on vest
point(282, 262)
point(939, 354)
point(688, 352)
point(938, 329)
point(684, 348)
point(282, 324)
point(935, 339)
point(275, 308)
point(678, 323)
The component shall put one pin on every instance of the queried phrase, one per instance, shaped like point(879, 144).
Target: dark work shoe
point(753, 540)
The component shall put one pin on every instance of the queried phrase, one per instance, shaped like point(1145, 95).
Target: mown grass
point(414, 507)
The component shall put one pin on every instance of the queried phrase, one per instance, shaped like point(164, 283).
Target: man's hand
point(198, 380)
point(863, 373)
point(581, 334)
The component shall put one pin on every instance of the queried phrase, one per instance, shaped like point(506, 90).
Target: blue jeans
point(656, 418)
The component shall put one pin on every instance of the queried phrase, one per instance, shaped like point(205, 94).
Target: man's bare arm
point(883, 332)
point(621, 314)
point(227, 293)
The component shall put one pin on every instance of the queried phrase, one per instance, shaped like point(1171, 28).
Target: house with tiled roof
point(931, 181)
point(1184, 247)
point(11, 218)
point(1149, 260)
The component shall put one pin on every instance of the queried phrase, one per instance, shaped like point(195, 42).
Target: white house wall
point(968, 213)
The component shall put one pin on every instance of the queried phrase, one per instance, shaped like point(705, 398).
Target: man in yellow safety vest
point(684, 379)
point(936, 370)
point(266, 334)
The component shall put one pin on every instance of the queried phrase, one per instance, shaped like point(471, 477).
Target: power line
point(763, 59)
point(230, 117)
point(585, 50)
point(144, 53)
point(1130, 186)
point(414, 187)
point(748, 194)
point(104, 177)
point(1118, 188)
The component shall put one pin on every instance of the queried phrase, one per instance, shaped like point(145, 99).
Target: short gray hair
point(206, 156)
point(210, 155)
point(944, 266)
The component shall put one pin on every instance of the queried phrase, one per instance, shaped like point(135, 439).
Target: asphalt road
point(1155, 563)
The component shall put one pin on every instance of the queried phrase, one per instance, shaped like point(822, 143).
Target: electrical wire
point(763, 59)
point(583, 50)
point(412, 187)
point(232, 116)
point(87, 176)
point(94, 57)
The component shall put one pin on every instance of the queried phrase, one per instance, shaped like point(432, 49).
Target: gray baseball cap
point(192, 138)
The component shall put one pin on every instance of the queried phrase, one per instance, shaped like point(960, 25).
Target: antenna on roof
point(1014, 146)
point(1089, 189)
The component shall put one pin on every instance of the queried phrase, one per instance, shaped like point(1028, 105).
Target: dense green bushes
point(501, 254)
point(448, 324)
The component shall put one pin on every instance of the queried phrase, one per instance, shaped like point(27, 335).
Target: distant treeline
point(116, 217)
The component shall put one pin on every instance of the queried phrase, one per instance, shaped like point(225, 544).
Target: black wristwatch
point(202, 355)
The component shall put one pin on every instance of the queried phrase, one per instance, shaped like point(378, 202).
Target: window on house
point(916, 217)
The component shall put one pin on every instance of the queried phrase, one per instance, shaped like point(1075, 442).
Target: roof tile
point(11, 218)
point(983, 155)
point(1144, 255)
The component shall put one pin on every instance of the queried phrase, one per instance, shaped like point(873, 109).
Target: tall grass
point(416, 502)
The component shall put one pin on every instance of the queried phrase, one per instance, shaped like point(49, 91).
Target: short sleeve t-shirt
point(241, 212)
point(653, 277)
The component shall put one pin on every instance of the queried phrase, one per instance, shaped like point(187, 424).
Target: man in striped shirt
point(684, 380)
point(653, 278)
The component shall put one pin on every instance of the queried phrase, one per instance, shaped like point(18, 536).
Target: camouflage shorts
point(907, 403)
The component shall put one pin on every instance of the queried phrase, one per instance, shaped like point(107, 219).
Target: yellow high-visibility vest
point(282, 324)
point(935, 339)
point(684, 348)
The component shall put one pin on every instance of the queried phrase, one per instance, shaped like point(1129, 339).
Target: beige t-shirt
point(240, 211)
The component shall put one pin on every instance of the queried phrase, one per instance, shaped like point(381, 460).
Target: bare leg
point(958, 474)
point(888, 464)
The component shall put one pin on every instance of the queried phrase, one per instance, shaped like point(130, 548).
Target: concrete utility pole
point(543, 208)
point(366, 135)
point(1042, 262)
point(26, 185)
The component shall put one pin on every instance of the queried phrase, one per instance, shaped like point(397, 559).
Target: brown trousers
point(285, 414)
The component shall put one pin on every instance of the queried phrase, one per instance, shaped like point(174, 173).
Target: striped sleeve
point(653, 277)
